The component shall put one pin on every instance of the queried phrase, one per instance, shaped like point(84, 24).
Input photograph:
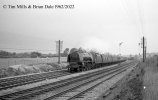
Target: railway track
point(6, 83)
point(82, 87)
point(67, 86)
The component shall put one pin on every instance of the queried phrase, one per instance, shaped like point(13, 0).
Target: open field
point(140, 84)
point(150, 79)
point(27, 61)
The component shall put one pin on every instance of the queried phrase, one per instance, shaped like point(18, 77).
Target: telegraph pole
point(59, 45)
point(143, 49)
point(120, 48)
point(59, 53)
point(145, 52)
point(139, 46)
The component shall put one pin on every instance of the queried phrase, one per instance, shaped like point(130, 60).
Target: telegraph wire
point(140, 16)
point(132, 16)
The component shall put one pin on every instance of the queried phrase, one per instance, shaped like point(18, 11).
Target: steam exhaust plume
point(95, 44)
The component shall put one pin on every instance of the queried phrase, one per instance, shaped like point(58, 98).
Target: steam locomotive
point(85, 61)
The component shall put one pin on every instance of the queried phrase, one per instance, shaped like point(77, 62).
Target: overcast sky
point(92, 24)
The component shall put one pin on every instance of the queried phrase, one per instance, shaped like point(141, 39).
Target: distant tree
point(81, 50)
point(35, 54)
point(13, 55)
point(23, 55)
point(66, 52)
point(4, 54)
point(50, 55)
point(73, 50)
point(94, 51)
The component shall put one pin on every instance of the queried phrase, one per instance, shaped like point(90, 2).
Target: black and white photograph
point(78, 50)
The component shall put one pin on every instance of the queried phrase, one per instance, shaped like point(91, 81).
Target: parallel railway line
point(28, 79)
point(64, 86)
